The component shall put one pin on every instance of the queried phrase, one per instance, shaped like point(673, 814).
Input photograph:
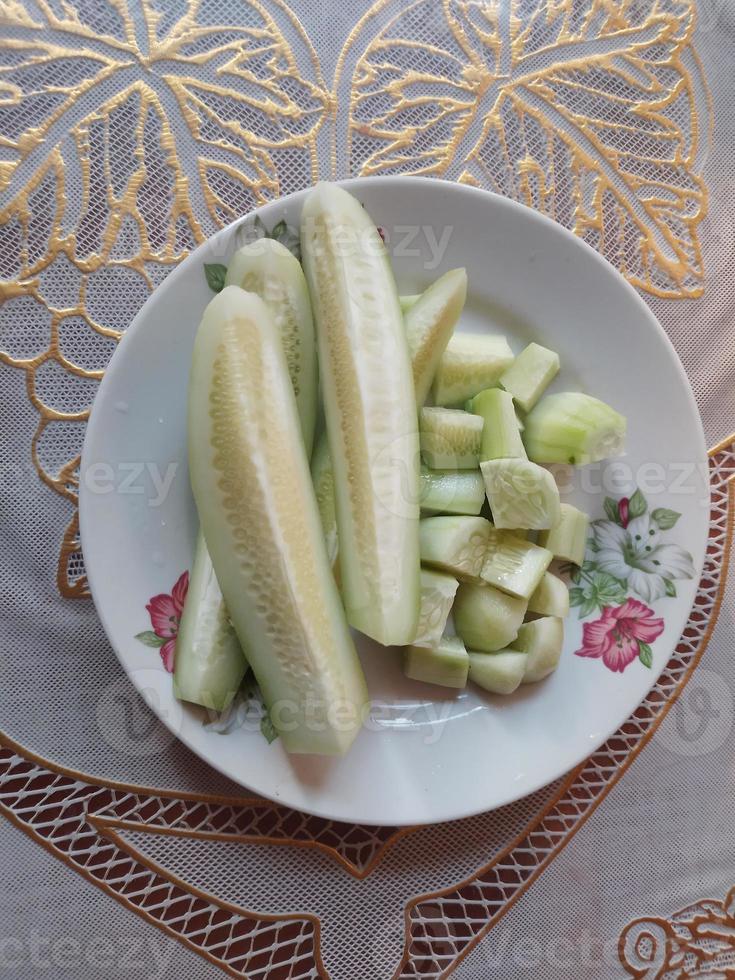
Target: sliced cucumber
point(210, 664)
point(455, 544)
point(542, 640)
point(551, 597)
point(452, 491)
point(500, 673)
point(370, 410)
point(446, 664)
point(437, 596)
point(450, 438)
point(520, 493)
point(486, 618)
point(530, 375)
point(322, 476)
point(430, 323)
point(571, 427)
point(470, 363)
point(268, 268)
point(248, 466)
point(513, 564)
point(408, 301)
point(567, 539)
point(501, 436)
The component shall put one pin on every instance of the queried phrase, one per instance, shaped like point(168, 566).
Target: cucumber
point(514, 565)
point(210, 664)
point(452, 491)
point(521, 494)
point(437, 596)
point(470, 363)
point(530, 375)
point(486, 618)
point(322, 478)
point(454, 544)
point(407, 302)
point(450, 438)
point(430, 323)
point(501, 436)
point(571, 427)
point(551, 597)
point(268, 268)
point(370, 410)
point(567, 539)
point(446, 664)
point(542, 640)
point(499, 673)
point(252, 486)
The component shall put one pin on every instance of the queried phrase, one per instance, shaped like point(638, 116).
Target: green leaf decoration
point(637, 505)
point(645, 654)
point(665, 518)
point(150, 639)
point(576, 597)
point(267, 728)
point(279, 230)
point(670, 588)
point(215, 274)
point(588, 606)
point(611, 509)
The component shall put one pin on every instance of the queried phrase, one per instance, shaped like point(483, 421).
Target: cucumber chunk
point(266, 267)
point(322, 477)
point(551, 597)
point(571, 427)
point(450, 438)
point(437, 596)
point(370, 410)
point(446, 664)
point(407, 302)
point(429, 325)
point(455, 544)
point(210, 664)
point(567, 539)
point(512, 564)
point(486, 618)
point(452, 491)
point(248, 465)
point(501, 435)
point(530, 375)
point(470, 363)
point(521, 494)
point(499, 673)
point(542, 640)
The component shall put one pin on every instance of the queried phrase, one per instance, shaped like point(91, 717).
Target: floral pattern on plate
point(165, 612)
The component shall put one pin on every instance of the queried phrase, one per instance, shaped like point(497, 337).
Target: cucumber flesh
point(530, 375)
point(514, 565)
point(470, 363)
point(499, 673)
point(210, 664)
point(248, 465)
point(501, 436)
point(370, 411)
point(551, 597)
point(575, 428)
point(452, 491)
point(437, 596)
point(456, 544)
point(542, 640)
point(486, 618)
point(521, 494)
point(429, 325)
point(408, 301)
point(268, 268)
point(450, 438)
point(322, 478)
point(446, 664)
point(567, 539)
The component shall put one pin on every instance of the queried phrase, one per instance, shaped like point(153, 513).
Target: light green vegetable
point(446, 664)
point(455, 544)
point(322, 477)
point(571, 427)
point(567, 539)
point(530, 375)
point(408, 301)
point(499, 673)
point(513, 564)
point(470, 363)
point(450, 438)
point(551, 597)
point(501, 435)
point(542, 640)
point(452, 491)
point(486, 618)
point(520, 493)
point(437, 595)
point(430, 323)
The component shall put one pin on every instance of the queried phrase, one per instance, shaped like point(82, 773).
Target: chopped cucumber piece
point(450, 438)
point(322, 477)
point(408, 301)
point(455, 544)
point(266, 267)
point(210, 664)
point(567, 539)
point(542, 640)
point(486, 618)
point(501, 436)
point(513, 564)
point(500, 673)
point(470, 363)
point(430, 323)
point(573, 428)
point(452, 491)
point(370, 411)
point(248, 465)
point(437, 596)
point(530, 375)
point(551, 597)
point(520, 493)
point(446, 664)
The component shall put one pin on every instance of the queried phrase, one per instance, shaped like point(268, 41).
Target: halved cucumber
point(567, 539)
point(248, 467)
point(322, 476)
point(520, 493)
point(437, 596)
point(542, 640)
point(408, 301)
point(268, 268)
point(486, 618)
point(452, 491)
point(530, 375)
point(470, 363)
point(501, 434)
point(499, 673)
point(370, 411)
point(551, 597)
point(512, 564)
point(450, 438)
point(446, 664)
point(430, 323)
point(455, 544)
point(571, 427)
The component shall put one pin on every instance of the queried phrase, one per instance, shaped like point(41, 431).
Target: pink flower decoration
point(165, 612)
point(616, 635)
point(624, 511)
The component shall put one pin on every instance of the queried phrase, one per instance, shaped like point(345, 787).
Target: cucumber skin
point(530, 375)
point(366, 369)
point(486, 618)
point(567, 539)
point(500, 673)
point(452, 491)
point(501, 434)
point(407, 301)
point(246, 463)
point(542, 639)
point(429, 325)
point(551, 598)
point(446, 665)
point(559, 429)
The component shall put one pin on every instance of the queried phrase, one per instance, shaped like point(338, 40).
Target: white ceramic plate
point(425, 756)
